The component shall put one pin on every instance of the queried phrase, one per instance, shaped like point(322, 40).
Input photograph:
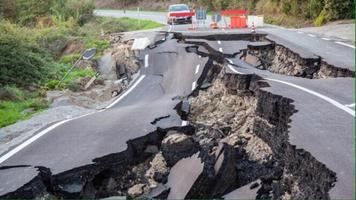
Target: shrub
point(51, 84)
point(286, 7)
point(11, 93)
point(100, 45)
point(23, 62)
point(69, 59)
point(321, 19)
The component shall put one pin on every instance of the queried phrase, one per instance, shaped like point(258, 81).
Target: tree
point(8, 9)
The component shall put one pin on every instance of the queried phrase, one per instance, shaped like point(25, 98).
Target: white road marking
point(350, 105)
point(199, 56)
point(194, 85)
point(332, 101)
point(126, 92)
point(345, 44)
point(219, 42)
point(40, 134)
point(34, 138)
point(220, 49)
point(327, 39)
point(232, 68)
point(184, 123)
point(146, 60)
point(311, 35)
point(300, 32)
point(170, 28)
point(197, 69)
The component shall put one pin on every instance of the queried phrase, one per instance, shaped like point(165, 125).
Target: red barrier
point(238, 22)
point(185, 14)
point(234, 12)
point(237, 17)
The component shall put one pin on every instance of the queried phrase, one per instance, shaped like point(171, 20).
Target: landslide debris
point(267, 54)
point(236, 114)
point(280, 59)
point(115, 72)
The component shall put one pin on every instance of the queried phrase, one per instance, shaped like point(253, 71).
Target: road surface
point(323, 125)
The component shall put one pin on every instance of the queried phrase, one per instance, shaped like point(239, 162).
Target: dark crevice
point(14, 166)
point(239, 130)
point(159, 119)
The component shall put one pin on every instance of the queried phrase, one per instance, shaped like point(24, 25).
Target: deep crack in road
point(243, 129)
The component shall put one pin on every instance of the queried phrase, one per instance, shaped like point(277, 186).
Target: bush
point(51, 84)
point(11, 93)
point(69, 59)
point(27, 12)
point(23, 62)
point(321, 19)
point(286, 7)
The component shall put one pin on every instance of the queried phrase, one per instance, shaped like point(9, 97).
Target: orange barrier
point(237, 18)
point(238, 22)
point(234, 12)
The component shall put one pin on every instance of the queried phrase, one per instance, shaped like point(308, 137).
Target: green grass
point(99, 44)
point(124, 24)
point(13, 111)
point(138, 24)
point(70, 79)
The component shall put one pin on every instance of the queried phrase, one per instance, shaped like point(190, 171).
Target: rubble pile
point(282, 60)
point(237, 134)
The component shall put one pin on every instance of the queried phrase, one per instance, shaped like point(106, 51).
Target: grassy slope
point(13, 111)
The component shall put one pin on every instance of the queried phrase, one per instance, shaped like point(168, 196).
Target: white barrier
point(257, 20)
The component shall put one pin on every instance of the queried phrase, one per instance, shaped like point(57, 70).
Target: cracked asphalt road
point(319, 126)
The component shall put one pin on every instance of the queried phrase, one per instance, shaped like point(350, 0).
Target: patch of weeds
point(99, 44)
point(76, 74)
point(69, 59)
point(23, 108)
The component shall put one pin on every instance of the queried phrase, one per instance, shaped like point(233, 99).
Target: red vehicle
point(178, 9)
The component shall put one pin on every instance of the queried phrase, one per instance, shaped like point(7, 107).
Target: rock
point(114, 93)
point(225, 171)
point(136, 190)
point(177, 146)
point(61, 101)
point(159, 192)
point(52, 95)
point(28, 111)
point(153, 149)
point(254, 185)
point(107, 67)
point(158, 170)
point(86, 64)
point(7, 95)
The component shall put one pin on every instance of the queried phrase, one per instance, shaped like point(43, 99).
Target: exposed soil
point(238, 130)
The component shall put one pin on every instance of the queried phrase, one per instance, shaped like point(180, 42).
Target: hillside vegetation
point(35, 36)
point(295, 13)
